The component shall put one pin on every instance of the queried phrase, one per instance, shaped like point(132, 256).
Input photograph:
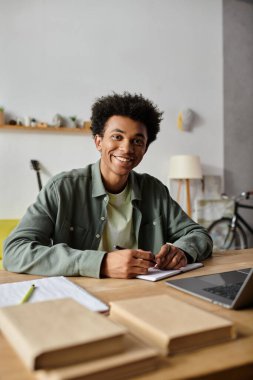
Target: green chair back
point(6, 226)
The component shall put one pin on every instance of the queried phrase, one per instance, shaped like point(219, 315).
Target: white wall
point(57, 56)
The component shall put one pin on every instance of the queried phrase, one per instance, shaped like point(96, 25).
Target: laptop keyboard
point(227, 291)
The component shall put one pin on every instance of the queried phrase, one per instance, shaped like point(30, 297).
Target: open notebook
point(49, 288)
point(155, 274)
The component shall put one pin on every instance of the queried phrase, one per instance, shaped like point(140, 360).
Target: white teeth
point(123, 159)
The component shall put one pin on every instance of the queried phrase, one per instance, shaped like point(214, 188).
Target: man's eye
point(139, 142)
point(116, 137)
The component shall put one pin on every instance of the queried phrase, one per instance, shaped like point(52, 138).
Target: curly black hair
point(134, 106)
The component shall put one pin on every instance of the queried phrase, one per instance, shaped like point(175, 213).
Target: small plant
point(74, 121)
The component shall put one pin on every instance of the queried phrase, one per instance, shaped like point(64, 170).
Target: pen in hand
point(119, 247)
point(28, 294)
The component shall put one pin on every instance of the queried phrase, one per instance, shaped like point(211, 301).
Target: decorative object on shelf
point(1, 116)
point(57, 121)
point(42, 125)
point(87, 126)
point(12, 122)
point(72, 122)
point(27, 120)
point(183, 168)
point(33, 122)
point(185, 120)
point(20, 121)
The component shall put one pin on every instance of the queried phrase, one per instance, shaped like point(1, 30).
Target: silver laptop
point(233, 289)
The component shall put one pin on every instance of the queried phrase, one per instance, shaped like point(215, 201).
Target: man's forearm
point(24, 256)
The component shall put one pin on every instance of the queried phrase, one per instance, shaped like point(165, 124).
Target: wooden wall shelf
point(48, 129)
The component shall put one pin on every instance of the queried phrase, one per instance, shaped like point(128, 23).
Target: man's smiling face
point(122, 148)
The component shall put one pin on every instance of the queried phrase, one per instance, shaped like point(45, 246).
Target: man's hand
point(170, 257)
point(127, 263)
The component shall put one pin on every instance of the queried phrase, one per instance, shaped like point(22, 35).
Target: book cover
point(134, 360)
point(60, 332)
point(171, 325)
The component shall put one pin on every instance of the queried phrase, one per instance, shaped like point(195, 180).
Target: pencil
point(28, 294)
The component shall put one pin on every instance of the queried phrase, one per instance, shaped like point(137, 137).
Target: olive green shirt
point(60, 233)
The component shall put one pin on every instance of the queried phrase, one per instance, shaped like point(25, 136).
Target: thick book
point(61, 332)
point(155, 274)
point(134, 360)
point(171, 325)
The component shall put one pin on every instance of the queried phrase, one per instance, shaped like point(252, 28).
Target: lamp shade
point(185, 167)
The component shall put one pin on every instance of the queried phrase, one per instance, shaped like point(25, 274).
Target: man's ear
point(98, 140)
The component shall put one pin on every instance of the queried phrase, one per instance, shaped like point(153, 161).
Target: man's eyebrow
point(118, 130)
point(124, 132)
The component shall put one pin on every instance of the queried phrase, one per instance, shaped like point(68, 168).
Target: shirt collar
point(98, 188)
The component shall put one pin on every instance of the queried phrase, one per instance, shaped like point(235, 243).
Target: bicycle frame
point(238, 217)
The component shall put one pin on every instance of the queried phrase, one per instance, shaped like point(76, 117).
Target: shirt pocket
point(72, 234)
point(152, 235)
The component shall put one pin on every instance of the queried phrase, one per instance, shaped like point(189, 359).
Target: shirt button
point(71, 228)
point(102, 218)
point(97, 236)
point(154, 223)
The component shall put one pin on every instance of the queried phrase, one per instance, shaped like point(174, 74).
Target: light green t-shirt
point(119, 227)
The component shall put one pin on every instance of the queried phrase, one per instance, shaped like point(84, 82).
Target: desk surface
point(234, 358)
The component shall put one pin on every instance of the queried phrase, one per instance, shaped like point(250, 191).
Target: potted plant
point(73, 122)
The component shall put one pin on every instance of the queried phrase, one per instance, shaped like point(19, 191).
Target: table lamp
point(184, 168)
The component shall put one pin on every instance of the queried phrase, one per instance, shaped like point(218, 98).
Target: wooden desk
point(233, 359)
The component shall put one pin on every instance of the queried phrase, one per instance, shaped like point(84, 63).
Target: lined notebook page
point(49, 288)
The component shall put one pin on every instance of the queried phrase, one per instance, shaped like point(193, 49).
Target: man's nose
point(126, 145)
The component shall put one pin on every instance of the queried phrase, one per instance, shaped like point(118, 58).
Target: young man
point(106, 220)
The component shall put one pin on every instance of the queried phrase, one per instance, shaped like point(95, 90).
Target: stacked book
point(61, 339)
point(170, 325)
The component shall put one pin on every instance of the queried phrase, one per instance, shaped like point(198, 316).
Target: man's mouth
point(123, 159)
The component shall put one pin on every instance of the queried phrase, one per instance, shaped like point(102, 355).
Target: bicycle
point(228, 233)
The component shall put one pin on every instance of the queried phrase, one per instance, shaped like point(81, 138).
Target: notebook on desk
point(49, 288)
point(233, 289)
point(155, 274)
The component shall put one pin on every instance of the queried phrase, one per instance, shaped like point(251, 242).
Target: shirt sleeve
point(29, 248)
point(187, 235)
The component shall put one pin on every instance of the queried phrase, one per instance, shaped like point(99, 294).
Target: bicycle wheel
point(225, 237)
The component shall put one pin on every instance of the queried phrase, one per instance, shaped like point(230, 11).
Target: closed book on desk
point(134, 360)
point(60, 332)
point(169, 324)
